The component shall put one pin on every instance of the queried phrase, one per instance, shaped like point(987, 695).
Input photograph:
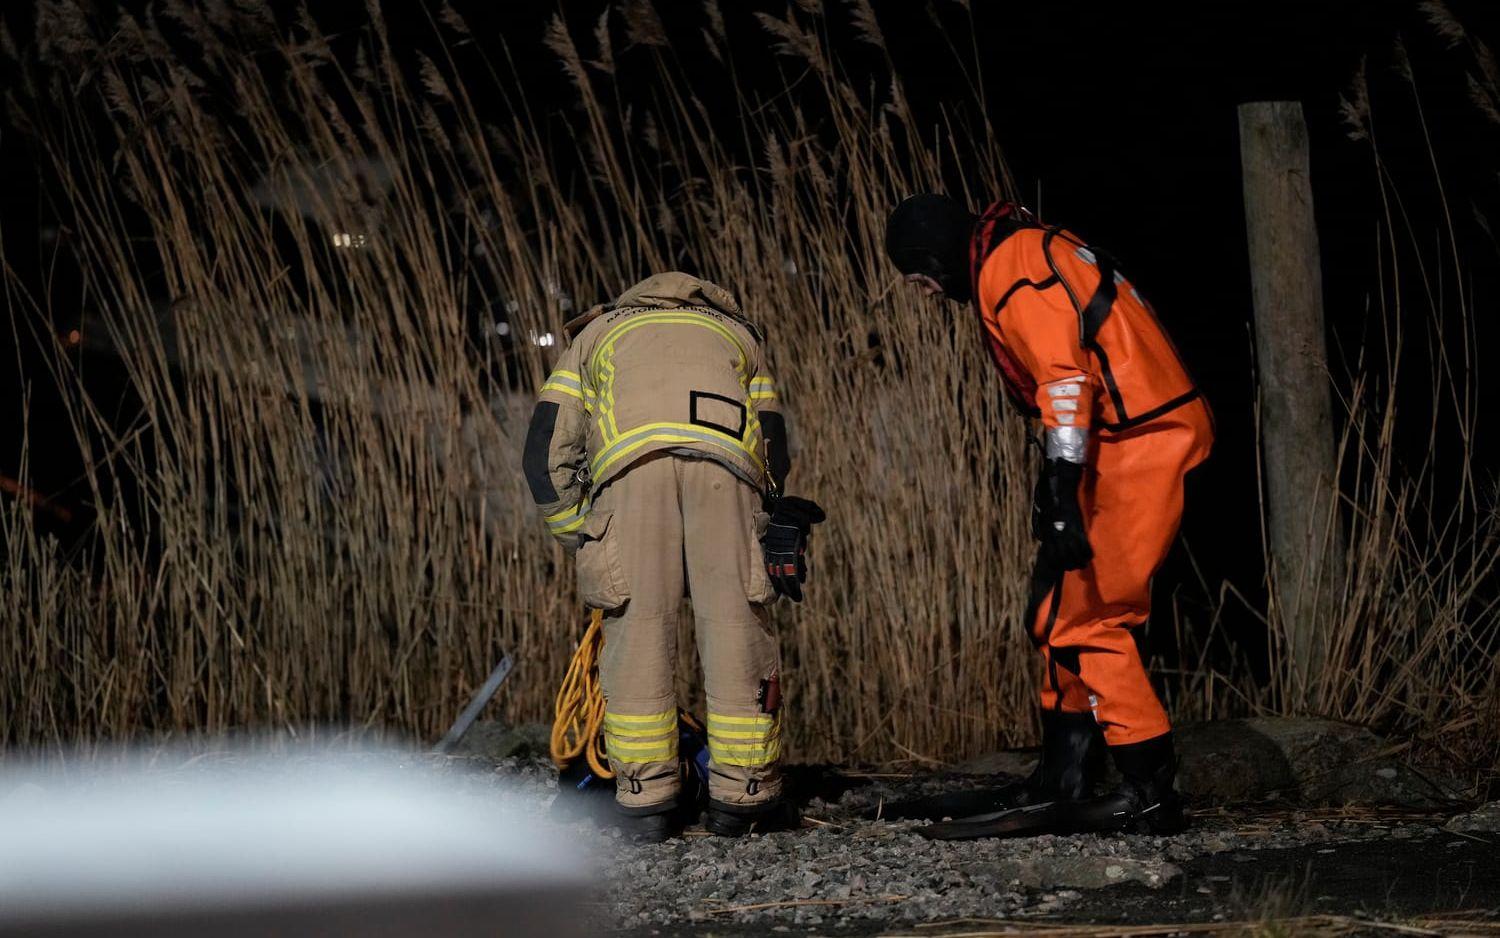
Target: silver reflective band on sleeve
point(1070, 444)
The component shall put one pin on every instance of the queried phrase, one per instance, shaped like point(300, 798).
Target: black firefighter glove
point(1056, 518)
point(784, 544)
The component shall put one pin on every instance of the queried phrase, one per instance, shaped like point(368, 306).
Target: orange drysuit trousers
point(1132, 506)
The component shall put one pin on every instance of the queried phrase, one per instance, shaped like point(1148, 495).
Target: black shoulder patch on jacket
point(534, 458)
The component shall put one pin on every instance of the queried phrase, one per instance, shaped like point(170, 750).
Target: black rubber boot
point(1146, 801)
point(651, 825)
point(737, 820)
point(1070, 766)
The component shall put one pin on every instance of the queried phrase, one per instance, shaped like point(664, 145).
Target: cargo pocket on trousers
point(758, 588)
point(601, 578)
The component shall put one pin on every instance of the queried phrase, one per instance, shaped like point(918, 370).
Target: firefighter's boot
point(643, 828)
point(1071, 764)
point(730, 820)
point(1145, 801)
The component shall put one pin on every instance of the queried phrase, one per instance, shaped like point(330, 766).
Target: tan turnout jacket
point(670, 365)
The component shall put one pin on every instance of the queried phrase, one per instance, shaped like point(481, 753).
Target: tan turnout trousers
point(671, 520)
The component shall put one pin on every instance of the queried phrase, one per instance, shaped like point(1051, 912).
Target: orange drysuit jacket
point(1054, 310)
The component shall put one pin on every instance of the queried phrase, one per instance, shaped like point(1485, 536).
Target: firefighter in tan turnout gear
point(657, 453)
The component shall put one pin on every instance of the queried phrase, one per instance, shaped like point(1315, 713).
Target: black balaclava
point(929, 234)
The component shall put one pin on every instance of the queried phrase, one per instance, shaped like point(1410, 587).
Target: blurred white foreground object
point(296, 846)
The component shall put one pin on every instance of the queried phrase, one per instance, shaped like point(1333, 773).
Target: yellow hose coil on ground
point(578, 714)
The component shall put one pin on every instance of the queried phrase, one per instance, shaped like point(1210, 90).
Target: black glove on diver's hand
point(1041, 501)
point(785, 542)
point(1057, 519)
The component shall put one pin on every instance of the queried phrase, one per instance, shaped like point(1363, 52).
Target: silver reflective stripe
point(1070, 444)
point(1066, 387)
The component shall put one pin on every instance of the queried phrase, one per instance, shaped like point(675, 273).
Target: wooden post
point(1300, 471)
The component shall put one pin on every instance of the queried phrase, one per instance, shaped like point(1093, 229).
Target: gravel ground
point(844, 874)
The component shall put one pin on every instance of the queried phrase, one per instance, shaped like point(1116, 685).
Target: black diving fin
point(950, 804)
point(1048, 817)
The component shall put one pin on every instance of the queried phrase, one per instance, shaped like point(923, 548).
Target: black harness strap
point(1103, 300)
point(1092, 316)
point(1108, 375)
point(1022, 284)
point(1153, 413)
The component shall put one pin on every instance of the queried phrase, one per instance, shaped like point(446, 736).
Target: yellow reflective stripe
point(641, 745)
point(569, 519)
point(763, 728)
point(757, 756)
point(664, 754)
point(738, 734)
point(766, 746)
point(647, 434)
point(764, 719)
point(759, 735)
point(636, 739)
point(605, 378)
point(565, 382)
point(680, 316)
point(570, 512)
point(762, 395)
point(640, 752)
point(638, 742)
point(677, 319)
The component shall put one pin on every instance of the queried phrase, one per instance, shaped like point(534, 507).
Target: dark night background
point(1119, 121)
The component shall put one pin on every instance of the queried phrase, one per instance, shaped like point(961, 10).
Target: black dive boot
point(1071, 764)
point(737, 820)
point(1145, 802)
point(652, 825)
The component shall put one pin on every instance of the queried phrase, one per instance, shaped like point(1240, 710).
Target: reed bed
point(312, 511)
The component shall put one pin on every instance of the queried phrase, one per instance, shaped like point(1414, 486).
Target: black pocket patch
point(715, 411)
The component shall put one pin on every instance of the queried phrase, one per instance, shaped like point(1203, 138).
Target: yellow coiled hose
point(578, 713)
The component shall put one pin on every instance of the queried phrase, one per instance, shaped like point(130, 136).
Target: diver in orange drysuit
point(1080, 350)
